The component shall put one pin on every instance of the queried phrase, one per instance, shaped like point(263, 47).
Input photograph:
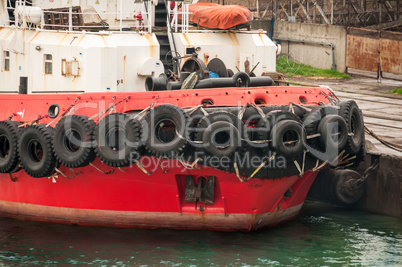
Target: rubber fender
point(35, 151)
point(73, 141)
point(117, 139)
point(9, 133)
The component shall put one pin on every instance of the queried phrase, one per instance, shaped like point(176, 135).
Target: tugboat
point(96, 130)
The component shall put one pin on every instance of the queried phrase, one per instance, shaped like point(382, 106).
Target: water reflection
point(322, 235)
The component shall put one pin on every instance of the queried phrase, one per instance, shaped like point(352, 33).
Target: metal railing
point(23, 17)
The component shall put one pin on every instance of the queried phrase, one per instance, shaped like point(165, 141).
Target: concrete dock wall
point(383, 189)
point(319, 56)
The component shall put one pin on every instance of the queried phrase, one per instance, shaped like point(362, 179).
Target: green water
point(321, 236)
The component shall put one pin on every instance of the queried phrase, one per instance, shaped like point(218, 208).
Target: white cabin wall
point(104, 61)
point(232, 48)
point(260, 50)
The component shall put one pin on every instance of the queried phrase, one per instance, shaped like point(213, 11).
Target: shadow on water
point(321, 235)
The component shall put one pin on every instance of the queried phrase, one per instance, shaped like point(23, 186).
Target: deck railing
point(71, 18)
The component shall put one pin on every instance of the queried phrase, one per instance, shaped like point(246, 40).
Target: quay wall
point(383, 189)
point(316, 55)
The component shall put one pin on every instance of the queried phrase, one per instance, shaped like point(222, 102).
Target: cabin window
point(7, 60)
point(48, 64)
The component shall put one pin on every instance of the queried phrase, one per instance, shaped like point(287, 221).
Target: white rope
point(237, 172)
point(142, 168)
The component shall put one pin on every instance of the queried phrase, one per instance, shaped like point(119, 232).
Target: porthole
point(53, 111)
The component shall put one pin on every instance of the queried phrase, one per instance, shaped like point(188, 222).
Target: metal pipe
point(314, 43)
point(121, 15)
point(70, 16)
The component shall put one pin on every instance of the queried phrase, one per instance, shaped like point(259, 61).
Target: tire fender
point(9, 133)
point(73, 141)
point(288, 131)
point(35, 151)
point(334, 133)
point(221, 139)
point(164, 131)
point(117, 138)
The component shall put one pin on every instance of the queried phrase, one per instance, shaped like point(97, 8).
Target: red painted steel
point(130, 198)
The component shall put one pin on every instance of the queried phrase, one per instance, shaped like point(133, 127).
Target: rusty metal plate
point(391, 56)
point(362, 53)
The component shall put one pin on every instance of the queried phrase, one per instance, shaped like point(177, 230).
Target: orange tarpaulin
point(216, 16)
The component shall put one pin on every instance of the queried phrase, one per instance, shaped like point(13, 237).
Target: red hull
point(130, 198)
point(134, 199)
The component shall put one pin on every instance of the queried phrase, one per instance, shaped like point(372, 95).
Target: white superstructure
point(113, 48)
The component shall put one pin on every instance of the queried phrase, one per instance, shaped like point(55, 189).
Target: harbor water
point(322, 235)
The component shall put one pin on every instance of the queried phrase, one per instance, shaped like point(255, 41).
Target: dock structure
point(384, 14)
point(382, 116)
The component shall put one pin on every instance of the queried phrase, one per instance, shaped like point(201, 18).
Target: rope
point(319, 167)
point(304, 161)
point(59, 171)
point(262, 165)
point(142, 168)
point(241, 112)
point(297, 105)
point(298, 167)
point(259, 110)
point(34, 121)
point(53, 177)
point(313, 136)
point(237, 172)
point(389, 144)
point(109, 108)
point(189, 166)
point(291, 109)
point(160, 165)
point(66, 112)
point(194, 109)
point(141, 114)
point(12, 116)
point(109, 172)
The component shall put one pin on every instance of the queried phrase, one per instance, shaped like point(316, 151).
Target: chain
point(370, 170)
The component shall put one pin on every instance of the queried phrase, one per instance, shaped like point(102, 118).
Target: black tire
point(9, 133)
point(219, 116)
point(360, 156)
point(221, 139)
point(266, 124)
point(354, 121)
point(344, 191)
point(35, 151)
point(311, 121)
point(288, 131)
point(334, 133)
point(165, 131)
point(117, 139)
point(73, 141)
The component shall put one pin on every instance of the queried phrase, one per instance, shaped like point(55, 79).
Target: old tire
point(334, 133)
point(221, 139)
point(232, 122)
point(35, 151)
point(73, 141)
point(266, 124)
point(9, 133)
point(354, 121)
point(117, 138)
point(288, 138)
point(165, 131)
